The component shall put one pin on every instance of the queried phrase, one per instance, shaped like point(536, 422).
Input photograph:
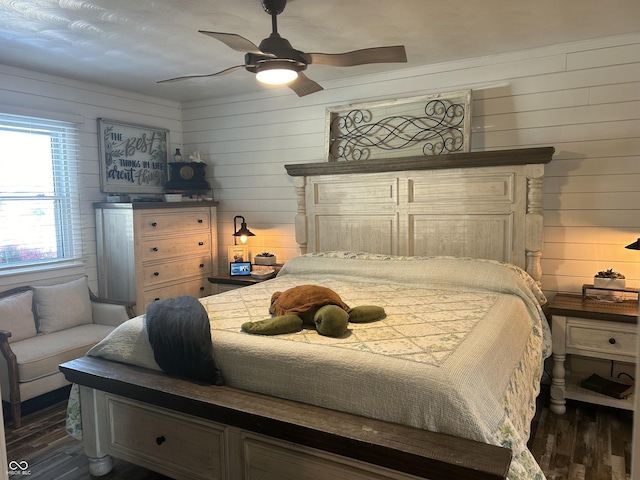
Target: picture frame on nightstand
point(238, 253)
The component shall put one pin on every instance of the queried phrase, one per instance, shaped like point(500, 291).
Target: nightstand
point(226, 282)
point(589, 328)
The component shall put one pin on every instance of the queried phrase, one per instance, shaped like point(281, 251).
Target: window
point(39, 198)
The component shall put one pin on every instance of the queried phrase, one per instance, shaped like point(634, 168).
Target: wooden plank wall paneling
point(582, 98)
point(34, 91)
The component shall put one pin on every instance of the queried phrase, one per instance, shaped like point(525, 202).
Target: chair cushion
point(40, 356)
point(62, 306)
point(16, 316)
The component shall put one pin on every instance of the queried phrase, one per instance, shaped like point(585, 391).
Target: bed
point(443, 387)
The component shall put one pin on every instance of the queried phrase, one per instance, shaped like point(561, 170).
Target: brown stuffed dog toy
point(311, 305)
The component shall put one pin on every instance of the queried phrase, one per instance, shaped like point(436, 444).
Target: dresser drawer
point(176, 269)
point(161, 248)
point(165, 442)
point(199, 287)
point(595, 338)
point(160, 222)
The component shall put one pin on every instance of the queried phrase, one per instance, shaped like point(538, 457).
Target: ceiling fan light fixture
point(276, 76)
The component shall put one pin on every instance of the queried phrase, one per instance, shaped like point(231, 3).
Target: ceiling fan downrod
point(274, 8)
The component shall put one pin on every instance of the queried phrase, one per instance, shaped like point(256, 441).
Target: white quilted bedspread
point(460, 351)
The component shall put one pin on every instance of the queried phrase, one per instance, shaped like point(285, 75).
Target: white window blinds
point(39, 193)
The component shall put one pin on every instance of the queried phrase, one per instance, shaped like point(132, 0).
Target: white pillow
point(63, 306)
point(16, 316)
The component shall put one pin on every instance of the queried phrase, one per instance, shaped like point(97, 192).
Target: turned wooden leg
point(558, 385)
point(100, 466)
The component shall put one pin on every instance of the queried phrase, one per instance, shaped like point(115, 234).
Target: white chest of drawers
point(152, 251)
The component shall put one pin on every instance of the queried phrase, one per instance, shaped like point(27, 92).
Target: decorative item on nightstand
point(243, 232)
point(265, 258)
point(608, 286)
point(608, 279)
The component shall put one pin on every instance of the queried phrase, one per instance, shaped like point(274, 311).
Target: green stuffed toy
point(311, 305)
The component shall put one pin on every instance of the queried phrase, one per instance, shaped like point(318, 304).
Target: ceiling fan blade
point(303, 85)
point(395, 54)
point(234, 41)
point(222, 72)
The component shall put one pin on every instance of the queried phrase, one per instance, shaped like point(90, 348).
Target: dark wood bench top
point(410, 450)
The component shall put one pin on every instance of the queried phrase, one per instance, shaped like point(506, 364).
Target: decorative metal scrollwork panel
point(421, 126)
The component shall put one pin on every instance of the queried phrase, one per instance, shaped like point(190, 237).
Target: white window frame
point(65, 195)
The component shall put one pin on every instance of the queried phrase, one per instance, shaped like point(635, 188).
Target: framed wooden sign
point(133, 158)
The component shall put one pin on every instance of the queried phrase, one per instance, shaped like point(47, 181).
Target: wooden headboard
point(478, 204)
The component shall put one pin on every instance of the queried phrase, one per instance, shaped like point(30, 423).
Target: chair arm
point(12, 365)
point(128, 306)
point(105, 311)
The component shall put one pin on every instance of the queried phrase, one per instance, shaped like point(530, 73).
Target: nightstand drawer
point(594, 338)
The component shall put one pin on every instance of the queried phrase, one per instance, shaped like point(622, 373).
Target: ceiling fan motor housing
point(254, 63)
point(281, 48)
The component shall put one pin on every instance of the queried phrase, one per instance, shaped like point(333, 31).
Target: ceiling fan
point(276, 62)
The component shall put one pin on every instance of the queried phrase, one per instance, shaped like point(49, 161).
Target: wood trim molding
point(521, 156)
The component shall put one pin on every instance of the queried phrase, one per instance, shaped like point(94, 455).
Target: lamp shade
point(634, 246)
point(243, 232)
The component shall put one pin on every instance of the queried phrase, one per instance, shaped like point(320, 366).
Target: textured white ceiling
point(131, 44)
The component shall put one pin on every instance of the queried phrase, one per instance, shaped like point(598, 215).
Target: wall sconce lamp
point(243, 232)
point(634, 246)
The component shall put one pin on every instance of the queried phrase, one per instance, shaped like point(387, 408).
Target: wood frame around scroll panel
point(478, 204)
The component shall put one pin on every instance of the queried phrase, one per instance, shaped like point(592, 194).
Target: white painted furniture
point(189, 431)
point(594, 329)
point(151, 251)
point(481, 205)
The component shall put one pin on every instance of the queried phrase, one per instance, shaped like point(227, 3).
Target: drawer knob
point(200, 220)
point(202, 265)
point(156, 299)
point(160, 440)
point(156, 274)
point(154, 224)
point(612, 341)
point(202, 289)
point(154, 249)
point(200, 243)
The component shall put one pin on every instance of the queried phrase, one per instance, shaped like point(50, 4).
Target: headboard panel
point(480, 205)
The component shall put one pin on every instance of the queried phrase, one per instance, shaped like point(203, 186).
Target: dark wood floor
point(586, 443)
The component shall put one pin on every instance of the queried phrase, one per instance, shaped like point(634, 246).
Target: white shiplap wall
point(582, 98)
point(21, 89)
